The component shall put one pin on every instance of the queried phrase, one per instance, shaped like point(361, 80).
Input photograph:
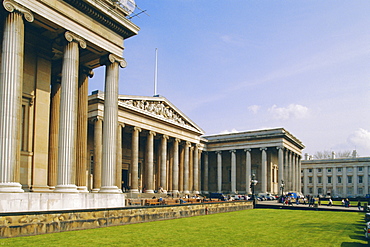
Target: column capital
point(111, 58)
point(232, 151)
point(218, 152)
point(152, 133)
point(165, 137)
point(87, 71)
point(137, 129)
point(12, 6)
point(177, 140)
point(122, 125)
point(187, 144)
point(263, 149)
point(280, 147)
point(248, 150)
point(72, 37)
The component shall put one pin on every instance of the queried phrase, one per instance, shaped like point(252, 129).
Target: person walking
point(359, 205)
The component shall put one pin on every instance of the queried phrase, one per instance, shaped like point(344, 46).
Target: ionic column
point(248, 170)
point(324, 180)
point(366, 179)
point(53, 133)
point(68, 114)
point(314, 170)
point(11, 78)
point(186, 168)
point(163, 164)
point(196, 170)
point(135, 161)
point(290, 171)
point(299, 182)
point(334, 181)
point(149, 163)
point(219, 171)
point(305, 181)
point(294, 172)
point(98, 138)
point(82, 109)
point(354, 181)
point(280, 165)
point(233, 170)
point(119, 156)
point(286, 170)
point(264, 170)
point(344, 181)
point(205, 173)
point(112, 64)
point(175, 168)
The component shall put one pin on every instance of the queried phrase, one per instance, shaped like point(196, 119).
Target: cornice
point(108, 21)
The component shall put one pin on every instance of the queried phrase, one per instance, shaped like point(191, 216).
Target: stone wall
point(33, 223)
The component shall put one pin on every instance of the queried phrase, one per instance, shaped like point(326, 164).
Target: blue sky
point(238, 65)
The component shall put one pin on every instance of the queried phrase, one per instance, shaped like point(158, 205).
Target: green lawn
point(259, 227)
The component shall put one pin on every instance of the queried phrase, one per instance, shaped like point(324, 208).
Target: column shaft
point(196, 170)
point(163, 165)
point(119, 156)
point(264, 171)
point(205, 173)
point(219, 171)
point(135, 160)
point(109, 160)
point(11, 78)
point(53, 135)
point(98, 138)
point(233, 171)
point(280, 165)
point(248, 170)
point(186, 167)
point(81, 154)
point(175, 168)
point(149, 163)
point(68, 115)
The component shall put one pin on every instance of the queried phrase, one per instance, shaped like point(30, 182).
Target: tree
point(326, 154)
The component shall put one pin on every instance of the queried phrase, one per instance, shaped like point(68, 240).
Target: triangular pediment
point(158, 107)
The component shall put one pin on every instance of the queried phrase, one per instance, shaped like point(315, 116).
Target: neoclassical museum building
point(63, 149)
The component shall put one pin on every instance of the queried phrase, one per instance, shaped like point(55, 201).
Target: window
point(360, 179)
point(310, 180)
point(339, 169)
point(319, 170)
point(360, 191)
point(339, 178)
point(310, 170)
point(319, 191)
point(329, 169)
point(310, 190)
point(349, 169)
point(360, 169)
point(319, 180)
point(329, 180)
point(349, 179)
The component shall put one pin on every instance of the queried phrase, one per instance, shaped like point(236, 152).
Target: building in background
point(336, 177)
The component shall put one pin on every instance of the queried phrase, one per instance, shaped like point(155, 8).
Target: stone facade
point(341, 177)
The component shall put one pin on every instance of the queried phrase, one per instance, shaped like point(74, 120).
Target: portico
point(273, 155)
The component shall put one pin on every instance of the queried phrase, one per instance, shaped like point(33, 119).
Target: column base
point(196, 192)
point(149, 191)
point(186, 192)
point(110, 189)
point(205, 192)
point(95, 190)
point(66, 188)
point(134, 191)
point(82, 189)
point(11, 188)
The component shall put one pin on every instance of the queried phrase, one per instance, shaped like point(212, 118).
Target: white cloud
point(229, 132)
point(254, 108)
point(292, 111)
point(360, 140)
